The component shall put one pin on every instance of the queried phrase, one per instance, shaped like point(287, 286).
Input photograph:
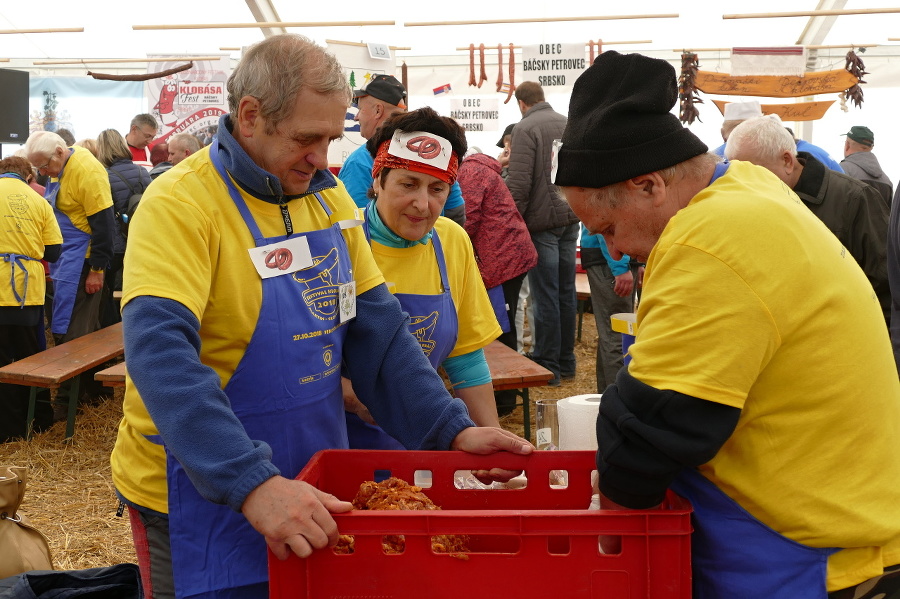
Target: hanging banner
point(71, 103)
point(476, 114)
point(773, 86)
point(553, 65)
point(798, 111)
point(190, 101)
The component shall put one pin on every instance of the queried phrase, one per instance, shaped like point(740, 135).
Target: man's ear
point(643, 183)
point(248, 116)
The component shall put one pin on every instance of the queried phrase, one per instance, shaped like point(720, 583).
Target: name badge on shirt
point(347, 301)
point(281, 258)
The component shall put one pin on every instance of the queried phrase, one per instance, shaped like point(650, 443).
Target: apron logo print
point(426, 147)
point(327, 356)
point(321, 293)
point(280, 258)
point(17, 203)
point(422, 328)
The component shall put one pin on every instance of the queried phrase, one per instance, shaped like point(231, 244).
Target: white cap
point(741, 111)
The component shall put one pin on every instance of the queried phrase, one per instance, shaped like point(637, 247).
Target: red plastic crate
point(533, 542)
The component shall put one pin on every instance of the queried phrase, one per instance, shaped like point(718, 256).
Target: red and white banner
point(190, 101)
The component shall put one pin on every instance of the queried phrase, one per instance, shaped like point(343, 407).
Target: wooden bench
point(509, 370)
point(583, 294)
point(51, 368)
point(114, 376)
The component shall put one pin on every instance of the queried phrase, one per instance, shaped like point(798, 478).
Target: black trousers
point(18, 342)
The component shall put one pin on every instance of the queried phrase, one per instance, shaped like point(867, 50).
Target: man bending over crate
point(762, 385)
point(248, 281)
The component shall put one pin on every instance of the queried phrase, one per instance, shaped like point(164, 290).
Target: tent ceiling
point(108, 29)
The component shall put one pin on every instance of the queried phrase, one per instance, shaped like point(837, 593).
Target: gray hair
point(185, 141)
point(277, 69)
point(44, 143)
point(111, 147)
point(144, 119)
point(613, 195)
point(763, 137)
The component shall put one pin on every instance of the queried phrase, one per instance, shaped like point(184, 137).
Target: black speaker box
point(14, 94)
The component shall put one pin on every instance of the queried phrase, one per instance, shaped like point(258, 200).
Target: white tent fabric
point(433, 58)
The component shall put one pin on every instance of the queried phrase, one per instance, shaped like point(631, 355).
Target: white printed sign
point(282, 257)
point(554, 65)
point(476, 114)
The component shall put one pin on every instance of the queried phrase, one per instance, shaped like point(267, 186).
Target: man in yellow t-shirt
point(761, 385)
point(28, 233)
point(247, 283)
point(82, 201)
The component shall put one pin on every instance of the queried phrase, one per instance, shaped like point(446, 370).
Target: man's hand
point(93, 283)
point(352, 403)
point(482, 440)
point(293, 516)
point(624, 284)
point(503, 157)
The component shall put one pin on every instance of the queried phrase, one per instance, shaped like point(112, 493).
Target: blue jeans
point(552, 283)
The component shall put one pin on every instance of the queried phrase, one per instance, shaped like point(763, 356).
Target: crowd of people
point(305, 311)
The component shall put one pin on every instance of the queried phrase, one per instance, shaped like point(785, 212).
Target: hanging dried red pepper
point(687, 89)
point(856, 68)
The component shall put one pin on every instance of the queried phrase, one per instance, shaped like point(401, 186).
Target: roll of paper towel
point(578, 422)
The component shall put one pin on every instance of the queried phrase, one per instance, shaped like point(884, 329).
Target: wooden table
point(511, 370)
point(583, 294)
point(52, 367)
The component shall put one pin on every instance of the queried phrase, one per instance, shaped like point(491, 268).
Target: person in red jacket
point(502, 245)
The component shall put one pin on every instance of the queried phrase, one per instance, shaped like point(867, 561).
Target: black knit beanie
point(619, 123)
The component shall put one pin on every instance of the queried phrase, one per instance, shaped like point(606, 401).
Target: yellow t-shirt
point(28, 225)
point(415, 270)
point(189, 243)
point(83, 190)
point(792, 335)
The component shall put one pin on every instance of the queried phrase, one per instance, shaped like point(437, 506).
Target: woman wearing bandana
point(429, 262)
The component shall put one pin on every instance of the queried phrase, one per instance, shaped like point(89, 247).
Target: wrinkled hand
point(93, 283)
point(503, 158)
point(293, 516)
point(482, 440)
point(624, 284)
point(352, 403)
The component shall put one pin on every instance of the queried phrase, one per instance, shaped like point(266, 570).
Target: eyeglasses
point(42, 168)
point(148, 136)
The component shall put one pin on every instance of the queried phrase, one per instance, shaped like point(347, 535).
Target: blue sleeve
point(394, 379)
point(357, 178)
point(833, 165)
point(618, 267)
point(468, 370)
point(188, 406)
point(455, 199)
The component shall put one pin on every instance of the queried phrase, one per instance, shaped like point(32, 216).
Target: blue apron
point(297, 408)
point(65, 272)
point(498, 303)
point(434, 324)
point(17, 260)
point(763, 563)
